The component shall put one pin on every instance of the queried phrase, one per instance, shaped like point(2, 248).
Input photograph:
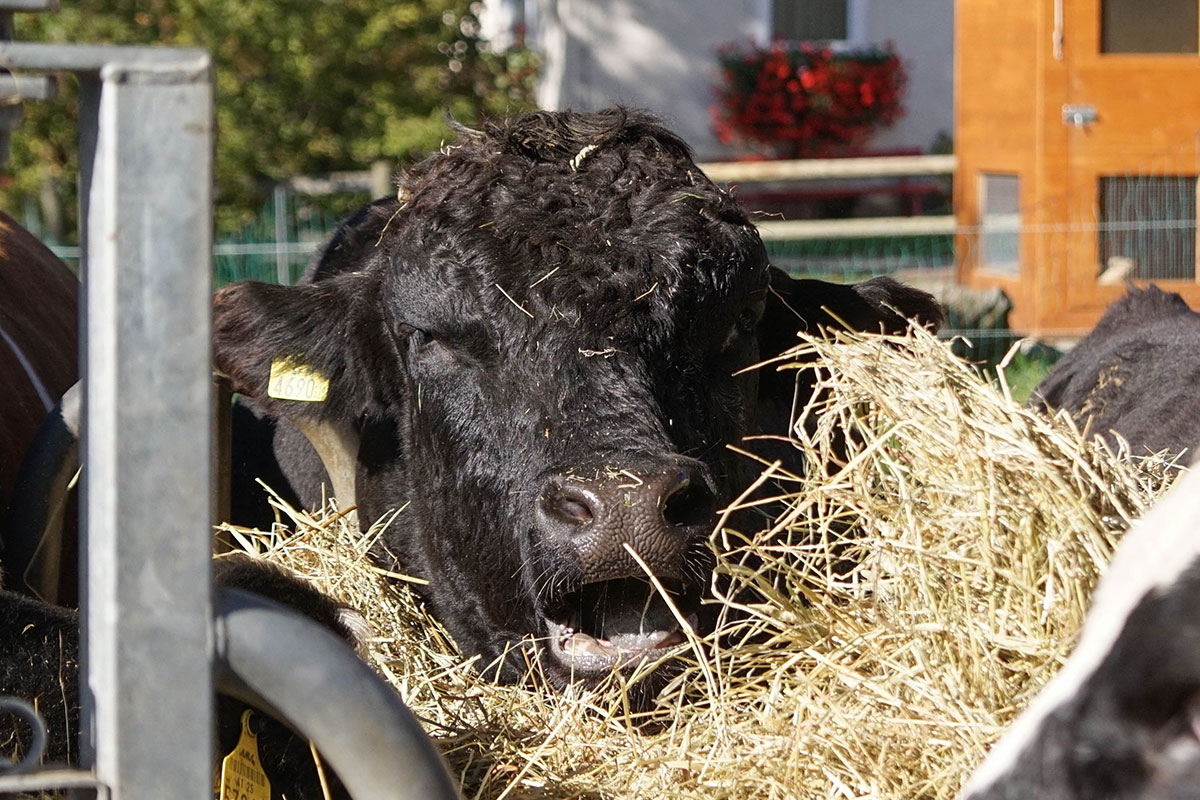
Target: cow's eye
point(420, 339)
point(749, 317)
point(744, 325)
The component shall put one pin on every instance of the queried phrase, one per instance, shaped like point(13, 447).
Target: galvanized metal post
point(146, 178)
point(283, 273)
point(147, 272)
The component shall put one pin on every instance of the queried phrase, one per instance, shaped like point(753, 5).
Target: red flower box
point(805, 101)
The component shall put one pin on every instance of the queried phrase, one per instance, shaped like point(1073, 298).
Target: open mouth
point(611, 624)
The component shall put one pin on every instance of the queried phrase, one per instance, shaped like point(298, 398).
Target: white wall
point(654, 54)
point(922, 32)
point(660, 55)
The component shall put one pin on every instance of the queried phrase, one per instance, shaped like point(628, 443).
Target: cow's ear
point(312, 351)
point(880, 305)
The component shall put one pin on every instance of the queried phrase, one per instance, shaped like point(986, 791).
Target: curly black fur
point(556, 294)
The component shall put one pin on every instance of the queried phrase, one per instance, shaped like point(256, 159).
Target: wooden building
point(1076, 134)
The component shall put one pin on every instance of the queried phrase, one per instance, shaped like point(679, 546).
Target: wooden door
point(1131, 111)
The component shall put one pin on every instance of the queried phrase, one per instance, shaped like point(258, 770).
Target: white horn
point(337, 445)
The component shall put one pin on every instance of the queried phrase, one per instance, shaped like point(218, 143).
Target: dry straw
point(905, 604)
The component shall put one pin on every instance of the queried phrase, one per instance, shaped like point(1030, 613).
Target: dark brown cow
point(39, 361)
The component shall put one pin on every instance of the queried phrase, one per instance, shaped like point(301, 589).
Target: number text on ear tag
point(242, 776)
point(291, 380)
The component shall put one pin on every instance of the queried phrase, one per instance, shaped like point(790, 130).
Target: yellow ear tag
point(291, 380)
point(242, 776)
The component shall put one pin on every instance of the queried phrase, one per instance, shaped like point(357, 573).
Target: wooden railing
point(741, 173)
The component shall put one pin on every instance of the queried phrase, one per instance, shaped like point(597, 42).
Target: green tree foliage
point(302, 86)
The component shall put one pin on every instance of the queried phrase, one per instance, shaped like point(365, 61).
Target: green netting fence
point(280, 242)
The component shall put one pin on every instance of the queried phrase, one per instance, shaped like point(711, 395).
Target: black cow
point(39, 662)
point(1121, 720)
point(1135, 375)
point(539, 352)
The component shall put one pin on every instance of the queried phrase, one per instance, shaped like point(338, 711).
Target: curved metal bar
point(20, 708)
point(34, 530)
point(296, 670)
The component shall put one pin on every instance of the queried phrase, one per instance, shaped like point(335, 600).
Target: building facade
point(661, 54)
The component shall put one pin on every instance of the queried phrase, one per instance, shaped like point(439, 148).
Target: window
point(1148, 26)
point(1147, 227)
point(809, 19)
point(1000, 223)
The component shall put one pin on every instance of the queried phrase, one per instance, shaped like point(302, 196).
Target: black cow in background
point(39, 663)
point(538, 351)
point(1136, 374)
point(1121, 719)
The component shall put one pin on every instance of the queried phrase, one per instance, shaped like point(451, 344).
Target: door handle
point(1078, 115)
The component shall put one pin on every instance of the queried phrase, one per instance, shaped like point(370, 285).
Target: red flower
point(805, 101)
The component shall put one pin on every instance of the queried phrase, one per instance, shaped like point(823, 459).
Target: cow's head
point(539, 351)
point(1121, 719)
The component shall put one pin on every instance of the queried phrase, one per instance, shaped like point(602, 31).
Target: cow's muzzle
point(613, 615)
point(656, 513)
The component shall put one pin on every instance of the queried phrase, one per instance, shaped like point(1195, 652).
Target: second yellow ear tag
point(291, 380)
point(242, 776)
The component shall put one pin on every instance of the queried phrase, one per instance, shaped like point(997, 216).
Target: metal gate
point(147, 634)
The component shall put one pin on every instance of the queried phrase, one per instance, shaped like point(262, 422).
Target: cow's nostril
point(570, 505)
point(689, 502)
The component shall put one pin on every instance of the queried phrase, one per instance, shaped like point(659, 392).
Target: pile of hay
point(903, 607)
